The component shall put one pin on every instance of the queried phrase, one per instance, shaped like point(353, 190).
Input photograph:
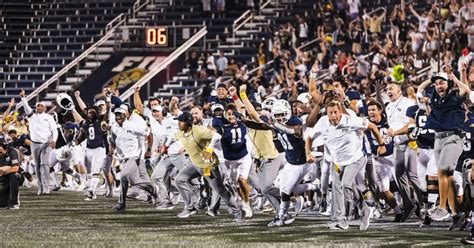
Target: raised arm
point(414, 12)
point(137, 101)
point(238, 103)
point(174, 108)
point(11, 103)
point(27, 107)
point(464, 90)
point(79, 100)
point(248, 106)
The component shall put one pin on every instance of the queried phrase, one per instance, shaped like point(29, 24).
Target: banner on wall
point(122, 70)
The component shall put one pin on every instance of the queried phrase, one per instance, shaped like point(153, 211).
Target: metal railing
point(137, 7)
point(110, 27)
point(163, 64)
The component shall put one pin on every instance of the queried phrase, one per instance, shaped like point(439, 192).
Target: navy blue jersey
point(277, 142)
point(94, 134)
point(233, 140)
point(425, 137)
point(294, 146)
point(19, 144)
point(468, 140)
point(447, 113)
point(374, 145)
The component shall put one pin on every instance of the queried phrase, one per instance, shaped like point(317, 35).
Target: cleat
point(407, 213)
point(120, 207)
point(187, 213)
point(398, 218)
point(367, 214)
point(164, 206)
point(90, 196)
point(457, 219)
point(275, 222)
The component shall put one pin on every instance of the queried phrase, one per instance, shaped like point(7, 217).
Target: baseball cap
point(222, 85)
point(157, 108)
point(120, 110)
point(100, 102)
point(185, 117)
point(216, 107)
point(125, 107)
point(442, 75)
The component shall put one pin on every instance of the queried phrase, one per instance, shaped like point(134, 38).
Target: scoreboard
point(156, 36)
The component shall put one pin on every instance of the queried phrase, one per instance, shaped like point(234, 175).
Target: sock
point(283, 208)
point(432, 198)
point(94, 182)
point(89, 181)
point(54, 178)
point(84, 178)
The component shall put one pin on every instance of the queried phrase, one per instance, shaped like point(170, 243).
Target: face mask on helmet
point(268, 103)
point(281, 111)
point(64, 101)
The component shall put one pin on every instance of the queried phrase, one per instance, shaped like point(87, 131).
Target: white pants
point(291, 175)
point(426, 166)
point(239, 168)
point(383, 171)
point(95, 160)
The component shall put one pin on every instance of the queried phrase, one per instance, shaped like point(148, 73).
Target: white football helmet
point(281, 111)
point(305, 98)
point(65, 101)
point(268, 103)
point(63, 153)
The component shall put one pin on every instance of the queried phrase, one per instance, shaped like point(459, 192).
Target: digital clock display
point(156, 36)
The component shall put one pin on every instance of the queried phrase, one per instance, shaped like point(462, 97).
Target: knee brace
point(432, 184)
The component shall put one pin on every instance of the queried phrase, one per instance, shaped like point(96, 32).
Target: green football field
point(64, 219)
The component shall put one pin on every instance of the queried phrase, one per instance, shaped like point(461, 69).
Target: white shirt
point(171, 127)
point(42, 127)
point(396, 112)
point(353, 6)
point(141, 123)
point(126, 138)
point(344, 141)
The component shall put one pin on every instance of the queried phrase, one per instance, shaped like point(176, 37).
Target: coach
point(9, 166)
point(446, 118)
point(43, 133)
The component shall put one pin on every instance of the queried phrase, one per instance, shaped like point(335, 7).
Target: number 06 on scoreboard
point(156, 36)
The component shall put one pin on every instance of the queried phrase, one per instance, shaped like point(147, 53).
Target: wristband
point(243, 95)
point(312, 75)
point(209, 150)
point(235, 97)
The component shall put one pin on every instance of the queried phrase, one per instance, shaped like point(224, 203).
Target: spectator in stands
point(375, 22)
point(9, 167)
point(193, 64)
point(303, 31)
point(221, 64)
point(232, 67)
point(354, 8)
point(206, 7)
point(210, 65)
point(221, 8)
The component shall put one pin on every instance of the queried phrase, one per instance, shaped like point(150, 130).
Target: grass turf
point(64, 219)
